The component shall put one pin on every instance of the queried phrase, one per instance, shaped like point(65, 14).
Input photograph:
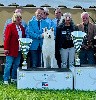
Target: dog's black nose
point(49, 36)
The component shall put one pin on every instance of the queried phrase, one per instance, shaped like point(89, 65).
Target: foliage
point(45, 5)
point(29, 5)
point(1, 4)
point(10, 92)
point(13, 4)
point(92, 6)
point(77, 6)
point(62, 6)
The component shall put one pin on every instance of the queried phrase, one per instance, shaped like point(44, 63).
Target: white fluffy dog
point(48, 49)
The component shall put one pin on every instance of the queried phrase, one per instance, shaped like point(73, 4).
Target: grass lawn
point(10, 92)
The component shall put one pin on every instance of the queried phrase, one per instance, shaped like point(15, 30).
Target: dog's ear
point(45, 29)
point(52, 29)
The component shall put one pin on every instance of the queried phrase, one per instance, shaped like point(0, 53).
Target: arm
point(54, 26)
point(7, 39)
point(31, 32)
point(94, 30)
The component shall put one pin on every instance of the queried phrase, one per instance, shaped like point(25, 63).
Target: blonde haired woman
point(13, 32)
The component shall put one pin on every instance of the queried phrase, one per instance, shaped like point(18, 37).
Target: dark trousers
point(36, 57)
point(58, 58)
point(86, 57)
point(21, 60)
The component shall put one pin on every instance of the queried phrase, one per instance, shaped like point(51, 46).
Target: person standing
point(64, 41)
point(13, 32)
point(35, 30)
point(55, 23)
point(8, 21)
point(86, 52)
point(46, 18)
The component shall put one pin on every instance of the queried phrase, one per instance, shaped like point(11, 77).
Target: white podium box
point(43, 78)
point(85, 78)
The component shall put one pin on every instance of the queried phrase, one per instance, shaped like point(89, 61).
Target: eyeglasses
point(19, 17)
point(57, 12)
point(85, 18)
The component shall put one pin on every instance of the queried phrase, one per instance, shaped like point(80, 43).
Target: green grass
point(10, 92)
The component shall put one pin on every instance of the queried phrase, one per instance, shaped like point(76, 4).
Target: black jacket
point(61, 40)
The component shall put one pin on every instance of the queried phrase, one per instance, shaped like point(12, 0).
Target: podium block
point(85, 77)
point(43, 78)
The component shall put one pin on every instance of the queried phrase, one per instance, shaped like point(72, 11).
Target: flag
point(44, 84)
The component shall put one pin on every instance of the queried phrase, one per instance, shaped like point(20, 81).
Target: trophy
point(25, 44)
point(77, 39)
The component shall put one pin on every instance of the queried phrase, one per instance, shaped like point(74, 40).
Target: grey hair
point(85, 14)
point(57, 9)
point(65, 15)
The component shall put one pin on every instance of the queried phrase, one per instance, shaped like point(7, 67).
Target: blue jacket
point(48, 20)
point(35, 34)
point(54, 25)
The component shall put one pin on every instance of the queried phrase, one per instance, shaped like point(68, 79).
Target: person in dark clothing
point(86, 52)
point(64, 42)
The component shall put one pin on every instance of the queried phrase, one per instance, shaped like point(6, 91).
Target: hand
point(6, 52)
point(42, 35)
point(84, 46)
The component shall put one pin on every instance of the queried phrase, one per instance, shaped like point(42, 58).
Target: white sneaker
point(6, 82)
point(13, 80)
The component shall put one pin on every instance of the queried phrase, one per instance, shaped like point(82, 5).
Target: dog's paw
point(52, 66)
point(45, 67)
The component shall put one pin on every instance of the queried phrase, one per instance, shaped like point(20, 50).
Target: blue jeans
point(11, 61)
point(35, 58)
point(87, 57)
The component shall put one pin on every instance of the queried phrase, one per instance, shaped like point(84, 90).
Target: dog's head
point(48, 33)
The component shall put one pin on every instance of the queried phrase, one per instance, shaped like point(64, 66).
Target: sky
point(52, 3)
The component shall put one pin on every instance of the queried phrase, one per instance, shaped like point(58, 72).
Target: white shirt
point(19, 33)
